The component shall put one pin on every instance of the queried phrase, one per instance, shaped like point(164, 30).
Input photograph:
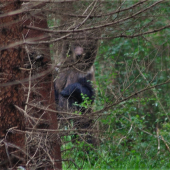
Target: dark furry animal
point(74, 80)
point(74, 92)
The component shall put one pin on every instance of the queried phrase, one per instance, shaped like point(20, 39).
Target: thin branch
point(165, 143)
point(94, 27)
point(111, 13)
point(22, 10)
point(153, 90)
point(136, 35)
point(52, 130)
point(50, 1)
point(27, 79)
point(127, 98)
point(53, 111)
point(87, 16)
point(33, 41)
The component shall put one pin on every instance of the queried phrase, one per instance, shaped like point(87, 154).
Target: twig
point(127, 98)
point(94, 27)
point(111, 13)
point(87, 16)
point(157, 133)
point(153, 89)
point(53, 111)
point(165, 143)
point(26, 79)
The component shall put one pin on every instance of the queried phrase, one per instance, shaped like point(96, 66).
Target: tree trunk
point(42, 91)
point(11, 95)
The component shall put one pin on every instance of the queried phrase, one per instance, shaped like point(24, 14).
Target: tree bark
point(11, 95)
point(44, 85)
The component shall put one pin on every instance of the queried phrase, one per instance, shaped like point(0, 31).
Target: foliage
point(132, 129)
point(86, 102)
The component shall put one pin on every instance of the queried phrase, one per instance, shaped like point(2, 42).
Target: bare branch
point(103, 15)
point(129, 97)
point(94, 27)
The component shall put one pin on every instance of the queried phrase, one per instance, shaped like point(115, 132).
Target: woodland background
point(131, 109)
